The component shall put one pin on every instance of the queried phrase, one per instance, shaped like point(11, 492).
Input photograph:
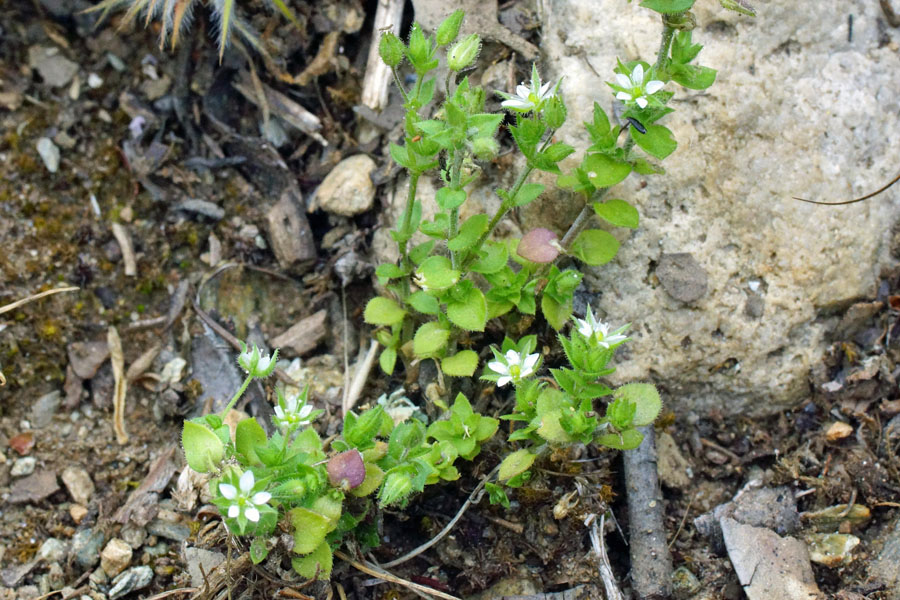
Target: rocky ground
point(182, 215)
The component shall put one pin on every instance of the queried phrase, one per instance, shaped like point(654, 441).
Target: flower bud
point(347, 469)
point(485, 148)
point(464, 52)
point(554, 112)
point(397, 486)
point(539, 245)
point(449, 29)
point(419, 49)
point(391, 49)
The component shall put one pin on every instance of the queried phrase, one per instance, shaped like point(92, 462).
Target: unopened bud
point(464, 52)
point(449, 29)
point(554, 112)
point(391, 49)
point(485, 148)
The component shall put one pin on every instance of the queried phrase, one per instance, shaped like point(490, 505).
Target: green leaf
point(424, 303)
point(448, 198)
point(604, 171)
point(374, 477)
point(436, 273)
point(516, 463)
point(461, 364)
point(492, 258)
point(436, 228)
point(387, 360)
point(617, 212)
point(658, 141)
point(556, 313)
point(497, 494)
point(599, 129)
point(430, 340)
point(527, 193)
point(203, 449)
point(684, 50)
point(247, 436)
point(383, 311)
point(258, 550)
point(646, 400)
point(595, 247)
point(310, 529)
point(420, 252)
point(693, 77)
point(668, 7)
point(467, 308)
point(627, 440)
point(388, 271)
point(317, 563)
point(400, 154)
point(469, 232)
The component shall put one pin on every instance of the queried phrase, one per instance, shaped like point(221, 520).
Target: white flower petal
point(545, 90)
point(261, 497)
point(247, 482)
point(279, 413)
point(498, 367)
point(516, 103)
point(529, 363)
point(522, 90)
point(263, 363)
point(623, 80)
point(252, 514)
point(228, 491)
point(233, 511)
point(304, 412)
point(503, 381)
point(625, 96)
point(641, 101)
point(512, 357)
point(637, 76)
point(654, 86)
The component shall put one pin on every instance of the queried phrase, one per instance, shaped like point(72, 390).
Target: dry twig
point(375, 571)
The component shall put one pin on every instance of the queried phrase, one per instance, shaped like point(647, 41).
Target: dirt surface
point(162, 144)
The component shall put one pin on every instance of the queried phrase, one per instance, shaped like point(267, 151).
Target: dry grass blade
point(117, 358)
point(14, 305)
point(124, 239)
point(374, 571)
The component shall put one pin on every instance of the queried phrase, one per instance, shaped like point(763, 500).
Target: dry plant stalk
point(117, 358)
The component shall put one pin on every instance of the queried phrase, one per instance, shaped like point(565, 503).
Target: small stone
point(86, 546)
point(682, 276)
point(156, 89)
point(884, 569)
point(55, 578)
point(200, 562)
point(52, 550)
point(203, 208)
point(838, 431)
point(78, 513)
point(78, 483)
point(44, 408)
point(115, 557)
point(94, 81)
point(49, 154)
point(831, 549)
point(134, 535)
point(55, 69)
point(348, 189)
point(290, 234)
point(136, 578)
point(22, 442)
point(23, 466)
point(65, 140)
point(684, 584)
point(169, 530)
point(674, 470)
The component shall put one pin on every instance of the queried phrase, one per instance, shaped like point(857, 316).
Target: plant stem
point(665, 41)
point(239, 393)
point(407, 220)
point(455, 176)
point(399, 85)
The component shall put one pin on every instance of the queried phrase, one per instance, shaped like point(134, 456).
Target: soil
point(56, 230)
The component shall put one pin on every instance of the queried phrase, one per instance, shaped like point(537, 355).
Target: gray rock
point(135, 578)
point(347, 190)
point(55, 69)
point(133, 534)
point(33, 488)
point(11, 576)
point(85, 358)
point(44, 408)
point(52, 550)
point(49, 153)
point(726, 195)
point(23, 466)
point(885, 569)
point(682, 276)
point(289, 233)
point(86, 546)
point(674, 469)
point(773, 508)
point(115, 557)
point(200, 561)
point(168, 530)
point(203, 208)
point(78, 483)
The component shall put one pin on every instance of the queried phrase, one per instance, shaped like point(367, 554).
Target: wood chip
point(117, 358)
point(143, 363)
point(838, 431)
point(304, 335)
point(377, 82)
point(146, 495)
point(281, 106)
point(124, 239)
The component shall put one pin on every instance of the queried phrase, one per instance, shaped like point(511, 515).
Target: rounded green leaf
point(469, 311)
point(430, 340)
point(516, 463)
point(436, 273)
point(383, 311)
point(310, 529)
point(387, 360)
point(595, 247)
point(247, 436)
point(317, 563)
point(425, 304)
point(604, 171)
point(617, 212)
point(203, 449)
point(658, 141)
point(627, 440)
point(469, 232)
point(461, 364)
point(646, 399)
point(449, 199)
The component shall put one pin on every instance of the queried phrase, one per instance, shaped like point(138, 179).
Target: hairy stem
point(407, 221)
point(455, 176)
point(237, 396)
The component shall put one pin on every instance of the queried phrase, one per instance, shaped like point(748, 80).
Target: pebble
point(23, 466)
point(682, 276)
point(55, 69)
point(49, 154)
point(133, 579)
point(831, 549)
point(348, 189)
point(86, 546)
point(44, 408)
point(94, 81)
point(115, 557)
point(78, 483)
point(200, 561)
point(52, 550)
point(78, 513)
point(684, 584)
point(203, 208)
point(134, 535)
point(169, 530)
point(33, 488)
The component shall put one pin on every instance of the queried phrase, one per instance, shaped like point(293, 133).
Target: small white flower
point(633, 89)
point(256, 363)
point(597, 332)
point(513, 367)
point(241, 498)
point(292, 415)
point(532, 98)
